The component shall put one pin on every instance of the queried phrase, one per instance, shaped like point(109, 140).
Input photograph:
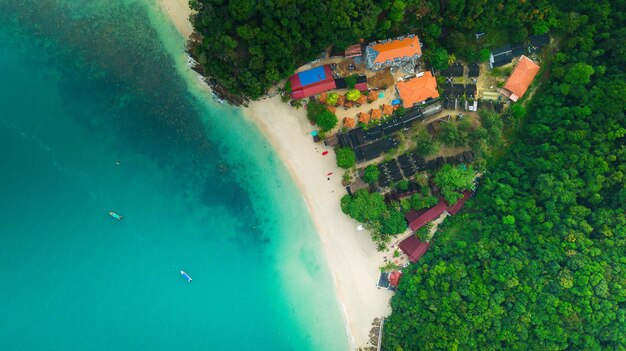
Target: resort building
point(414, 248)
point(418, 219)
point(349, 122)
point(376, 114)
point(312, 82)
point(525, 71)
point(364, 117)
point(418, 90)
point(392, 52)
point(504, 55)
point(353, 51)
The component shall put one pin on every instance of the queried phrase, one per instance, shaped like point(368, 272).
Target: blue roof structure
point(395, 102)
point(312, 76)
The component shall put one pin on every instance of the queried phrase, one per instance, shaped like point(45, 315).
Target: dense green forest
point(249, 45)
point(538, 259)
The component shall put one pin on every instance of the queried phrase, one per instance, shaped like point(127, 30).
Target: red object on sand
point(325, 153)
point(330, 173)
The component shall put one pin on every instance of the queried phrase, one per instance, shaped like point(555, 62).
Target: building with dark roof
point(311, 82)
point(537, 42)
point(474, 70)
point(504, 55)
point(456, 70)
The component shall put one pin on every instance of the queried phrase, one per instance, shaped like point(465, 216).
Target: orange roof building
point(392, 52)
point(419, 89)
point(341, 100)
point(348, 104)
point(519, 81)
point(372, 96)
point(376, 114)
point(349, 122)
point(323, 97)
point(364, 117)
point(332, 109)
point(387, 110)
point(362, 100)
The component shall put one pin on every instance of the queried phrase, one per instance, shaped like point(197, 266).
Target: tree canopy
point(537, 259)
point(345, 157)
point(248, 45)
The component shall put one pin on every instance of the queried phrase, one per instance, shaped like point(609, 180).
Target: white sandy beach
point(351, 254)
point(178, 11)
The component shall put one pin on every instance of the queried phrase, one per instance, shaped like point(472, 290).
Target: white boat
point(186, 276)
point(115, 215)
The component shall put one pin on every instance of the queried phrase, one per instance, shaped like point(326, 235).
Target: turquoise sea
point(98, 113)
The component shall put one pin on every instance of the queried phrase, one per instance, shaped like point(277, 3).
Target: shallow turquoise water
point(84, 85)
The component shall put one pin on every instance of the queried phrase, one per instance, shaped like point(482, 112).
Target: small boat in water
point(186, 276)
point(115, 215)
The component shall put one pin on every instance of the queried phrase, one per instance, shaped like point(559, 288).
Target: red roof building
point(414, 248)
point(312, 82)
point(394, 278)
point(361, 86)
point(353, 51)
point(454, 209)
point(428, 216)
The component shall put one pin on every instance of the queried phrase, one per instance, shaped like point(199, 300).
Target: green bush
point(345, 157)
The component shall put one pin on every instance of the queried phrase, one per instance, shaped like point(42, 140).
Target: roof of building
point(456, 70)
point(454, 209)
point(504, 55)
point(341, 100)
point(332, 109)
point(414, 248)
point(383, 280)
point(523, 74)
point(362, 86)
point(312, 82)
point(474, 70)
point(349, 122)
point(361, 100)
point(394, 278)
point(353, 51)
point(364, 117)
point(413, 215)
point(429, 215)
point(323, 97)
point(390, 50)
point(372, 96)
point(537, 42)
point(418, 89)
point(387, 110)
point(376, 114)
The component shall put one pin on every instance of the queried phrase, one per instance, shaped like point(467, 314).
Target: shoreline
point(351, 255)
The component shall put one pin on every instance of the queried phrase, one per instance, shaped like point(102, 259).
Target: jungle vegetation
point(250, 45)
point(536, 260)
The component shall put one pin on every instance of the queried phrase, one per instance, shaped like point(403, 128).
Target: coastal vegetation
point(318, 113)
point(249, 46)
point(381, 219)
point(345, 157)
point(537, 259)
